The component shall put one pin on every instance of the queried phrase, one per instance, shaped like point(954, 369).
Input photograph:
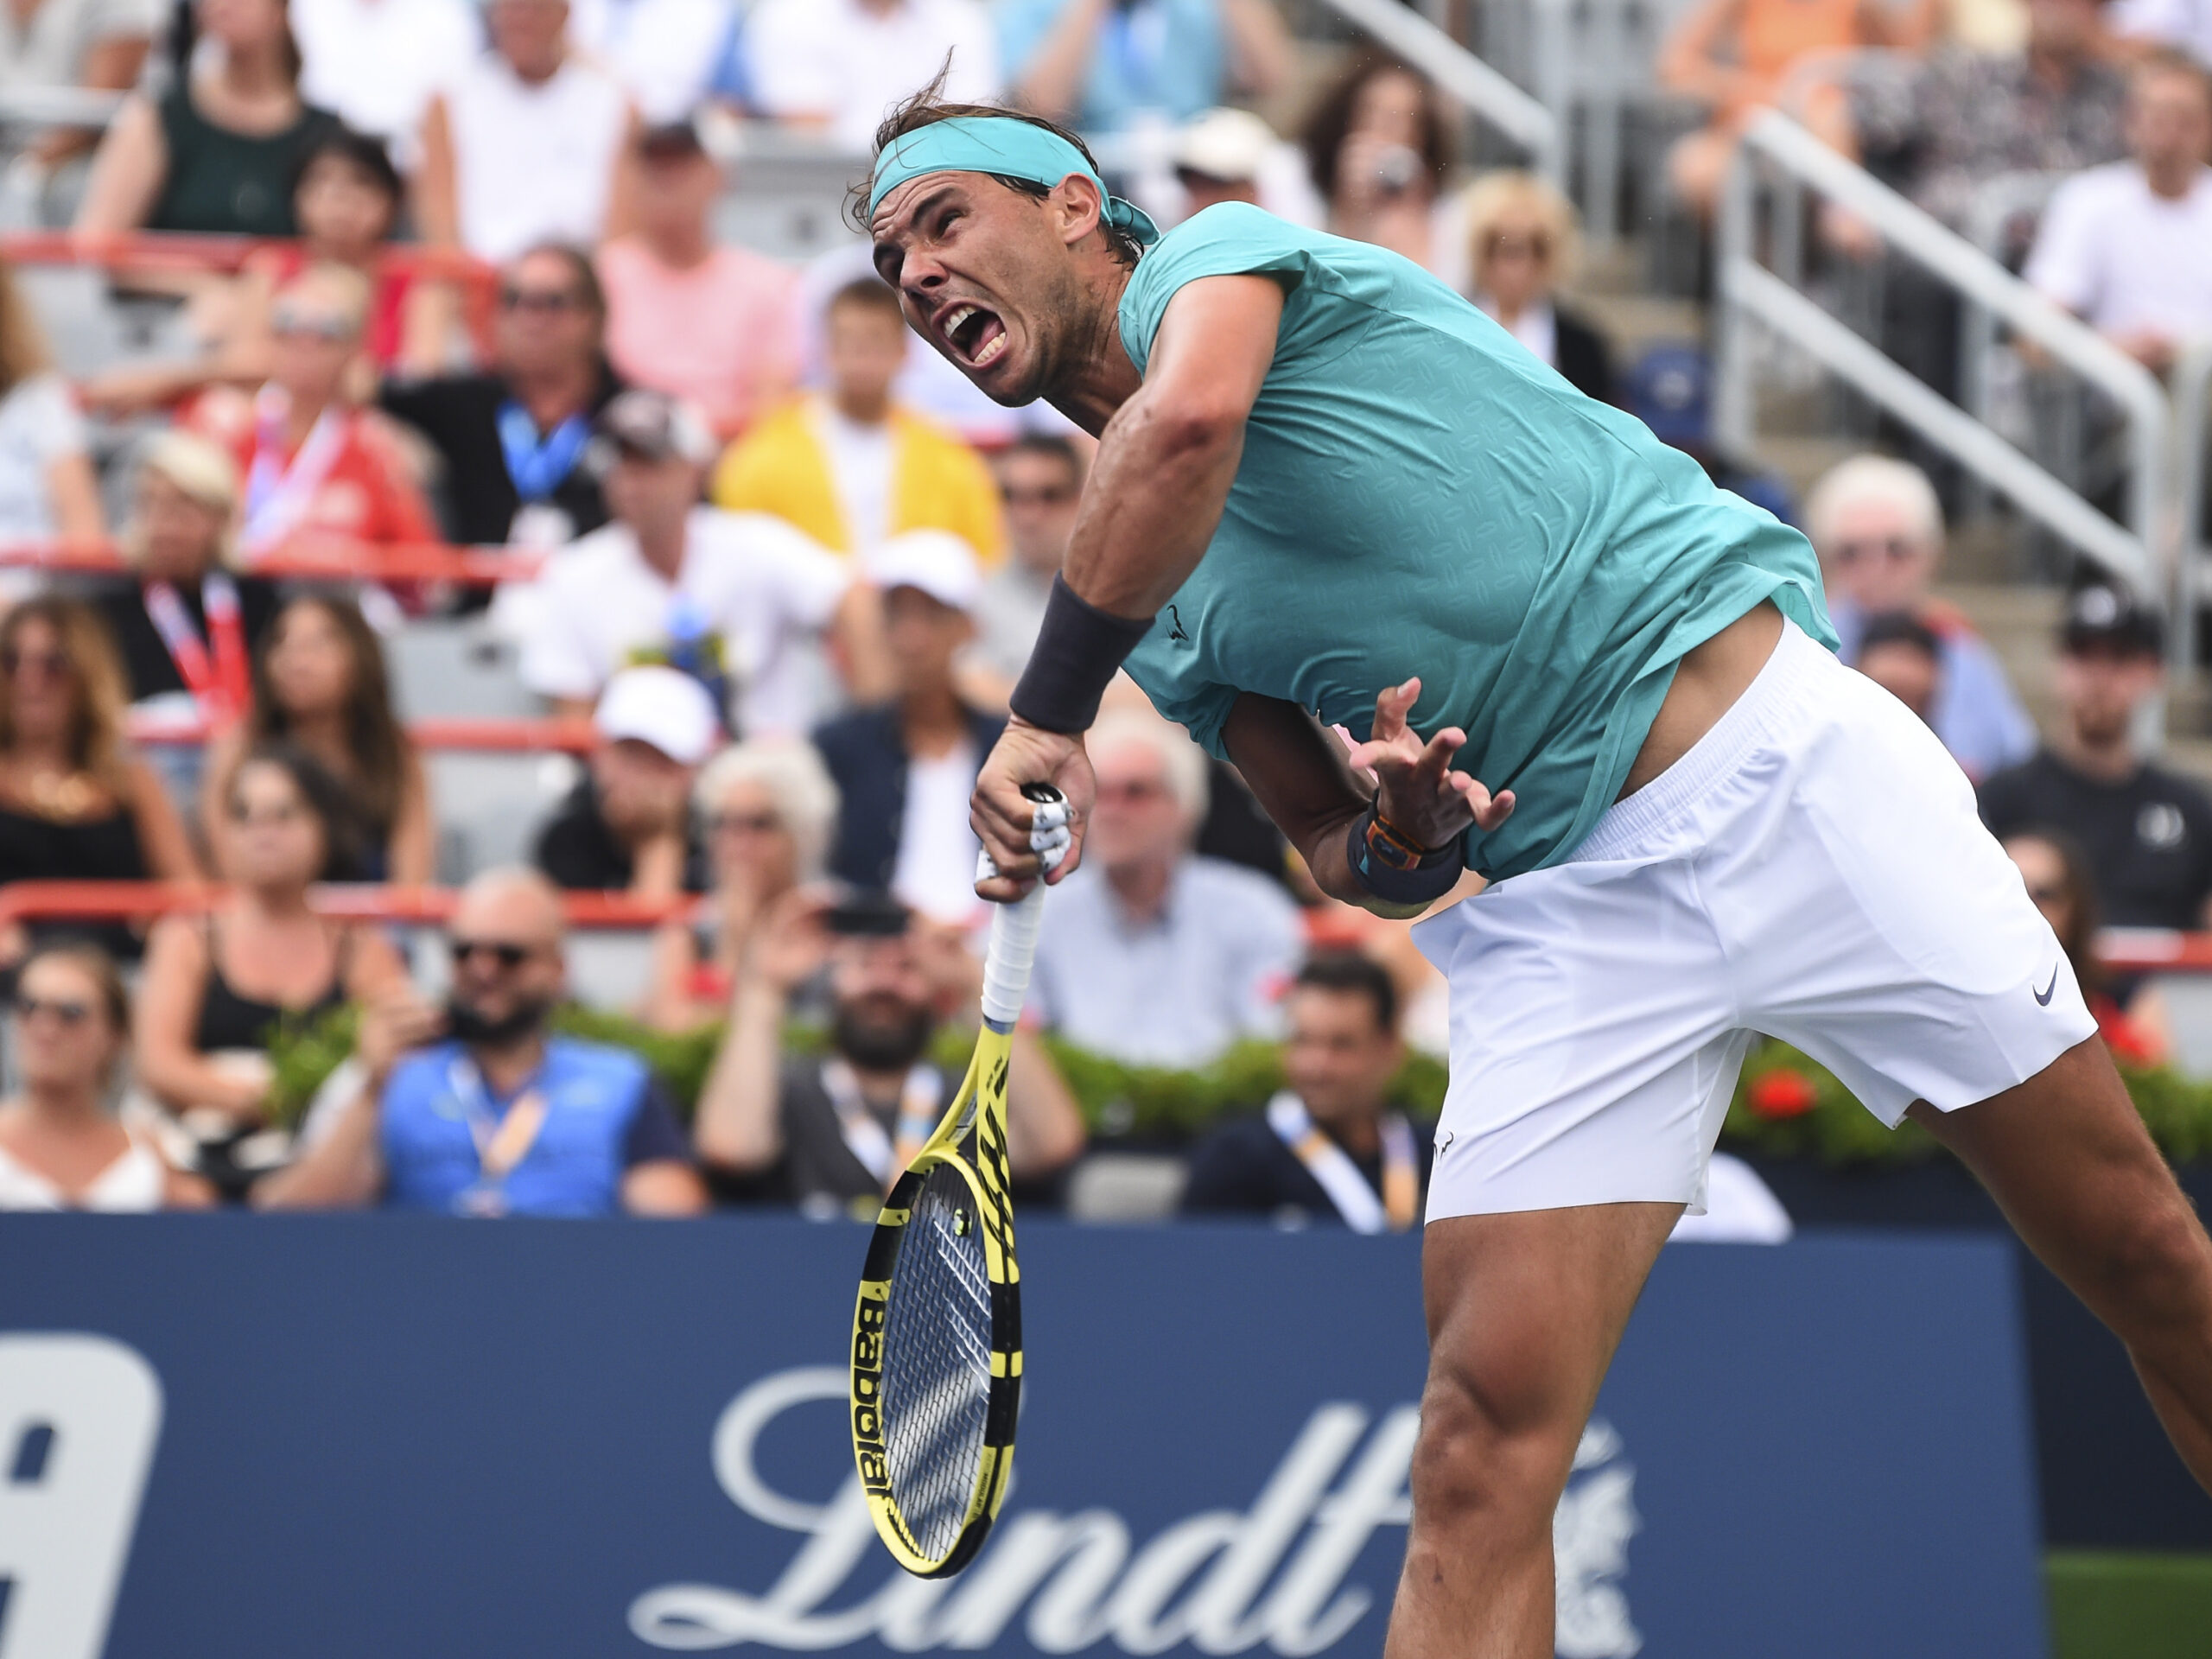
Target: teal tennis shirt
point(1419, 495)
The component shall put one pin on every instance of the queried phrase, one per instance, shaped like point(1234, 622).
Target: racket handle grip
point(1012, 952)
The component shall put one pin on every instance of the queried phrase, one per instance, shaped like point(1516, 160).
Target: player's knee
point(2154, 1259)
point(1483, 1461)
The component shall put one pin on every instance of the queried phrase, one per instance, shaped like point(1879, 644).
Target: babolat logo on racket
point(867, 1387)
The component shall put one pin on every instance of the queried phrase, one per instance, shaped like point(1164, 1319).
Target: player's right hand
point(1415, 787)
point(1002, 817)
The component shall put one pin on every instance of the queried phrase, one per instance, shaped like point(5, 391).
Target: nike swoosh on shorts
point(2043, 997)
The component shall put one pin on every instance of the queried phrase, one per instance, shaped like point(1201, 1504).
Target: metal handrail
point(1462, 75)
point(1748, 290)
point(2192, 393)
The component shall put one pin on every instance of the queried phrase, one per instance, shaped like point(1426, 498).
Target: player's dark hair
point(1348, 973)
point(867, 294)
point(928, 106)
point(1330, 124)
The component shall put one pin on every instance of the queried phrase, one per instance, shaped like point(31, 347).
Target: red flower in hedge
point(1782, 1093)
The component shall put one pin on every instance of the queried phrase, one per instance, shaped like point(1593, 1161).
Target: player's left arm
point(1162, 476)
point(1309, 786)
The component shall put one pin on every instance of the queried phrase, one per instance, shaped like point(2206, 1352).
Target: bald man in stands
point(477, 1108)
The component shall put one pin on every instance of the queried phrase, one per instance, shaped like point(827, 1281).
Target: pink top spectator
point(719, 334)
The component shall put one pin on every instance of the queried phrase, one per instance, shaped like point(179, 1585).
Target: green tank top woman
point(227, 184)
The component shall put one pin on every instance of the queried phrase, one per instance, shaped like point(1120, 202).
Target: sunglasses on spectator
point(246, 819)
point(551, 301)
point(744, 823)
point(508, 955)
point(1895, 549)
point(1053, 495)
point(1503, 246)
point(1132, 791)
point(288, 324)
point(69, 1014)
point(52, 664)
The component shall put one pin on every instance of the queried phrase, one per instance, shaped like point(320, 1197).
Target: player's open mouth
point(975, 334)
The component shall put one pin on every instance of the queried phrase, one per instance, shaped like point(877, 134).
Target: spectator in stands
point(377, 62)
point(663, 52)
point(1040, 485)
point(511, 442)
point(1230, 154)
point(61, 1145)
point(218, 150)
point(852, 466)
point(733, 599)
point(904, 769)
point(48, 489)
point(628, 825)
point(1941, 130)
point(2128, 247)
point(1157, 956)
point(525, 146)
point(185, 622)
point(1878, 529)
point(75, 804)
point(840, 65)
point(1903, 654)
point(478, 1108)
point(219, 988)
point(830, 1133)
point(320, 685)
point(1102, 65)
point(1379, 146)
point(1330, 1147)
point(2063, 887)
point(2183, 26)
point(98, 46)
point(1524, 245)
point(1669, 389)
point(323, 477)
point(715, 326)
point(769, 810)
point(1736, 56)
point(2147, 831)
point(347, 202)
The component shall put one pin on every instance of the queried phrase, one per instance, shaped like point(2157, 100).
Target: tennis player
point(1330, 491)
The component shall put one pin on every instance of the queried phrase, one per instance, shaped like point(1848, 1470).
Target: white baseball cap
point(661, 706)
point(1230, 145)
point(937, 562)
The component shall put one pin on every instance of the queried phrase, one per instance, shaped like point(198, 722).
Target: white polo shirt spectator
point(848, 62)
point(662, 51)
point(2122, 258)
point(376, 63)
point(760, 587)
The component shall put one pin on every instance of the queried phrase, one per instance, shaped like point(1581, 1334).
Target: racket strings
point(936, 1362)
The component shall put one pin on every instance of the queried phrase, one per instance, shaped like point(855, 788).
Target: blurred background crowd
point(461, 453)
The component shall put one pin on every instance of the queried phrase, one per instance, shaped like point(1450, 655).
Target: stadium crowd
point(774, 570)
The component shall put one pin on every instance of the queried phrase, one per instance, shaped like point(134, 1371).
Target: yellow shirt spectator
point(850, 468)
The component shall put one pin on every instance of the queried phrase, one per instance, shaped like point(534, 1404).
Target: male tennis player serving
point(1328, 485)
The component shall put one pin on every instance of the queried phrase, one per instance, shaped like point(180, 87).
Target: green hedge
point(1785, 1104)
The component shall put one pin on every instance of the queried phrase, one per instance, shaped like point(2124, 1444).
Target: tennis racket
point(937, 1331)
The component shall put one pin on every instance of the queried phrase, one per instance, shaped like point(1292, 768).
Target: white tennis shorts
point(1813, 868)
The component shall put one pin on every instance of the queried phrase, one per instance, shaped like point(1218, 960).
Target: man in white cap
point(904, 768)
point(627, 826)
point(1228, 154)
point(735, 600)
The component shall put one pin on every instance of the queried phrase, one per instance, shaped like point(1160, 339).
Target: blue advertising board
point(370, 1436)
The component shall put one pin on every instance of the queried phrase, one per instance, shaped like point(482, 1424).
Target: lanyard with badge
point(1331, 1166)
point(502, 1140)
point(881, 1155)
point(217, 679)
point(536, 466)
point(278, 493)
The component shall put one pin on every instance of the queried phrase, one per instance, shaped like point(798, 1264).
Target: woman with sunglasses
point(320, 683)
point(218, 987)
point(1524, 245)
point(61, 1145)
point(770, 812)
point(2058, 875)
point(75, 804)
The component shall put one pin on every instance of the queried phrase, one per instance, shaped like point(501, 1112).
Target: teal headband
point(999, 144)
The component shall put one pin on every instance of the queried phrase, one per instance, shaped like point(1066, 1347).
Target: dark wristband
point(1079, 651)
point(1379, 864)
